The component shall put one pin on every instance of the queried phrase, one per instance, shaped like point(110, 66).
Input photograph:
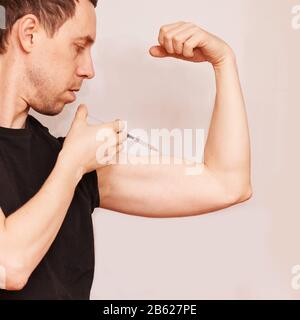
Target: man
point(50, 186)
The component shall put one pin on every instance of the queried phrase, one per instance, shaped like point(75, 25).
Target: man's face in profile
point(57, 66)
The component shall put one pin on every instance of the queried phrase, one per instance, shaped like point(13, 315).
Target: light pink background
point(246, 251)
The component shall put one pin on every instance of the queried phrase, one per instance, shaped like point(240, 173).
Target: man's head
point(50, 42)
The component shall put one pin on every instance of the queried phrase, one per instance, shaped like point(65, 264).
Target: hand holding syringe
point(135, 139)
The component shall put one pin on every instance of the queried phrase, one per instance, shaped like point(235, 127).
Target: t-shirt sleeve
point(90, 180)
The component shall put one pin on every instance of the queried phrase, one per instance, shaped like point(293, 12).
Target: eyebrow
point(86, 39)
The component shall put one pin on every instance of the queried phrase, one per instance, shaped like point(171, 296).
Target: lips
point(72, 92)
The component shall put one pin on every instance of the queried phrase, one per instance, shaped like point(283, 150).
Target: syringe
point(135, 139)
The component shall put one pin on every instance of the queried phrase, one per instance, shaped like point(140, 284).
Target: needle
point(135, 139)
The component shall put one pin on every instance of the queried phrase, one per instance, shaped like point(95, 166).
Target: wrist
point(69, 167)
point(229, 60)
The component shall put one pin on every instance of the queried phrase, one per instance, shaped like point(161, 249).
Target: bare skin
point(39, 72)
point(164, 190)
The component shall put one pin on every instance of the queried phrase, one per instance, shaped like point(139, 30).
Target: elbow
point(237, 187)
point(17, 283)
point(241, 195)
point(13, 275)
point(247, 195)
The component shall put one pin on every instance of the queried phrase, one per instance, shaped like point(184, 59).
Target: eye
point(79, 48)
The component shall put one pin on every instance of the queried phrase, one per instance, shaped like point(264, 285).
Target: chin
point(49, 111)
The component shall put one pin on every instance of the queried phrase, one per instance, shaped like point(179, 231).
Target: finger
point(197, 40)
point(119, 125)
point(158, 52)
point(169, 36)
point(118, 152)
point(113, 153)
point(105, 153)
point(117, 149)
point(120, 147)
point(116, 126)
point(116, 139)
point(104, 161)
point(181, 37)
point(112, 141)
point(100, 154)
point(81, 113)
point(122, 137)
point(164, 29)
point(105, 133)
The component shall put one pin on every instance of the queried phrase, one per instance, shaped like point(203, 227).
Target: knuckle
point(168, 37)
point(163, 29)
point(188, 47)
point(187, 53)
point(195, 28)
point(177, 39)
point(189, 23)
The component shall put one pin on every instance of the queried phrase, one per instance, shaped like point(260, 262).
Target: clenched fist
point(187, 41)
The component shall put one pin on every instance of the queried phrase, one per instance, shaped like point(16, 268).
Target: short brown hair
point(52, 14)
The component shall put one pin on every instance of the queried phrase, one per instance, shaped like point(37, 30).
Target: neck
point(13, 108)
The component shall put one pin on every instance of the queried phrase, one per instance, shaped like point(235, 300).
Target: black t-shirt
point(27, 157)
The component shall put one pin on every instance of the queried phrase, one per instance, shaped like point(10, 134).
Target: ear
point(27, 31)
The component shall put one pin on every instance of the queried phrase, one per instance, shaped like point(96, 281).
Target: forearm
point(227, 150)
point(29, 232)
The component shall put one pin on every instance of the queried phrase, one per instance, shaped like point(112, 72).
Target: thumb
point(81, 113)
point(158, 52)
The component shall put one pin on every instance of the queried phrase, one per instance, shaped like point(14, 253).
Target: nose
point(86, 67)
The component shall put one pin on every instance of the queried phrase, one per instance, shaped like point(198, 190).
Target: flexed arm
point(160, 190)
